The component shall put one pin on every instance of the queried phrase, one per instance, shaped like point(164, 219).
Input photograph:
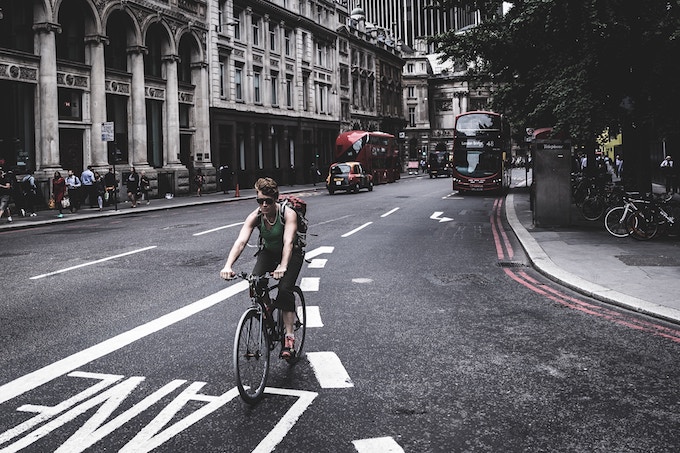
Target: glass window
point(274, 86)
point(70, 104)
point(257, 78)
point(256, 31)
point(238, 83)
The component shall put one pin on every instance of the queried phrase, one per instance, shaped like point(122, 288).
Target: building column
point(201, 109)
point(171, 111)
point(98, 155)
point(137, 140)
point(48, 156)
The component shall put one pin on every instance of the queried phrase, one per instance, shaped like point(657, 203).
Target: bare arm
point(227, 271)
point(290, 223)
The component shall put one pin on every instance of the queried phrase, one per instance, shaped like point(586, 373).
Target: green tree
point(580, 66)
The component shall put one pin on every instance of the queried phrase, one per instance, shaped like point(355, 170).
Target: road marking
point(378, 445)
point(313, 318)
point(437, 216)
point(61, 271)
point(284, 425)
point(329, 370)
point(318, 263)
point(318, 251)
point(218, 229)
point(309, 284)
point(362, 280)
point(390, 212)
point(43, 375)
point(356, 229)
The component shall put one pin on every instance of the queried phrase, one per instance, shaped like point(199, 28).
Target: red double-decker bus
point(481, 147)
point(377, 152)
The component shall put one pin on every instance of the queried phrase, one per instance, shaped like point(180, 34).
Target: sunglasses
point(265, 200)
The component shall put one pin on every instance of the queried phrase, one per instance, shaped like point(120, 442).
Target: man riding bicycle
point(278, 252)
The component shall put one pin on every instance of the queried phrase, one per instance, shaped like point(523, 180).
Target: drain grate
point(511, 264)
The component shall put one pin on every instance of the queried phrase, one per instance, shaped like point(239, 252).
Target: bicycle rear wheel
point(592, 208)
point(616, 223)
point(645, 225)
point(251, 356)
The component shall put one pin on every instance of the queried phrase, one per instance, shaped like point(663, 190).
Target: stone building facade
point(69, 66)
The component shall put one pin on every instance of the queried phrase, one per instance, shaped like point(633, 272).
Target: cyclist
point(278, 253)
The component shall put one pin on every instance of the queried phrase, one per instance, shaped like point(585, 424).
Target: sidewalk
point(49, 217)
point(643, 276)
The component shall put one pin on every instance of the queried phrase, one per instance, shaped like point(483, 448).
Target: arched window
point(71, 40)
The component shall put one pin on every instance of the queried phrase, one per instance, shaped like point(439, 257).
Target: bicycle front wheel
point(644, 226)
point(616, 222)
point(251, 356)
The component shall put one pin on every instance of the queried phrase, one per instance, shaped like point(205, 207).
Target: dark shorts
point(267, 262)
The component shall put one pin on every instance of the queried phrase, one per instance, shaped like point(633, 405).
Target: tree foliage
point(576, 65)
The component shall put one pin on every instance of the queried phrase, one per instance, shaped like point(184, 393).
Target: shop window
point(70, 104)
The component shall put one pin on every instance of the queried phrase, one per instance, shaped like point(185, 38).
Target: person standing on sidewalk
point(110, 185)
point(5, 192)
point(99, 189)
point(30, 191)
point(73, 185)
point(87, 180)
point(132, 184)
point(199, 180)
point(668, 173)
point(144, 186)
point(58, 192)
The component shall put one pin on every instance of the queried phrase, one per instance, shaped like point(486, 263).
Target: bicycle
point(260, 331)
point(620, 221)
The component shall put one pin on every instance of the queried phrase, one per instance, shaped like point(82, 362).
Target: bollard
point(237, 193)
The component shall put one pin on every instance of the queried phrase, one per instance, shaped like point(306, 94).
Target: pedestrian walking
point(5, 195)
point(110, 184)
point(73, 186)
point(58, 192)
point(30, 192)
point(132, 185)
point(99, 189)
point(668, 173)
point(198, 181)
point(144, 186)
point(314, 173)
point(88, 189)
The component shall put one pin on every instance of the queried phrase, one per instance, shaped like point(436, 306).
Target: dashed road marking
point(309, 284)
point(378, 445)
point(218, 229)
point(313, 318)
point(356, 229)
point(329, 370)
point(318, 263)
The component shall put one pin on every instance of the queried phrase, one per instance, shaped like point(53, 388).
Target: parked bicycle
point(657, 217)
point(261, 331)
point(600, 198)
point(619, 220)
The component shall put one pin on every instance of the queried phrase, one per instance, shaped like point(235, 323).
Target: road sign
point(107, 131)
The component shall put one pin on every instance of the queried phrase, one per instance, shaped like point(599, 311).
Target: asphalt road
point(433, 335)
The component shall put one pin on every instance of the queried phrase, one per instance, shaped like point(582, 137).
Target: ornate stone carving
point(18, 72)
point(154, 93)
point(65, 79)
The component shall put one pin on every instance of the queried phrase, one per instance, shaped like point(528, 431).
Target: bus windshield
point(477, 163)
point(476, 124)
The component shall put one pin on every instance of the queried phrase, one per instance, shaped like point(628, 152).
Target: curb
point(543, 264)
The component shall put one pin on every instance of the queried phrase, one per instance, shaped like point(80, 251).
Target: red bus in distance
point(377, 152)
point(481, 147)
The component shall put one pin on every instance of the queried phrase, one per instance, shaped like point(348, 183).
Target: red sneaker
point(288, 347)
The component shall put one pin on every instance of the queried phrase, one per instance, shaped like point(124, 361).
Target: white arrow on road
point(436, 216)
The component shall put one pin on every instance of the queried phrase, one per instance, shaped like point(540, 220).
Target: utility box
point(552, 182)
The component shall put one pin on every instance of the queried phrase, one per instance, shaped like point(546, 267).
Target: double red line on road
point(504, 247)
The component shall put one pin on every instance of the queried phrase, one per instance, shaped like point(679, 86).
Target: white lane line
point(313, 318)
point(43, 375)
point(218, 229)
point(390, 212)
point(329, 370)
point(61, 271)
point(356, 229)
point(318, 263)
point(378, 445)
point(309, 284)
